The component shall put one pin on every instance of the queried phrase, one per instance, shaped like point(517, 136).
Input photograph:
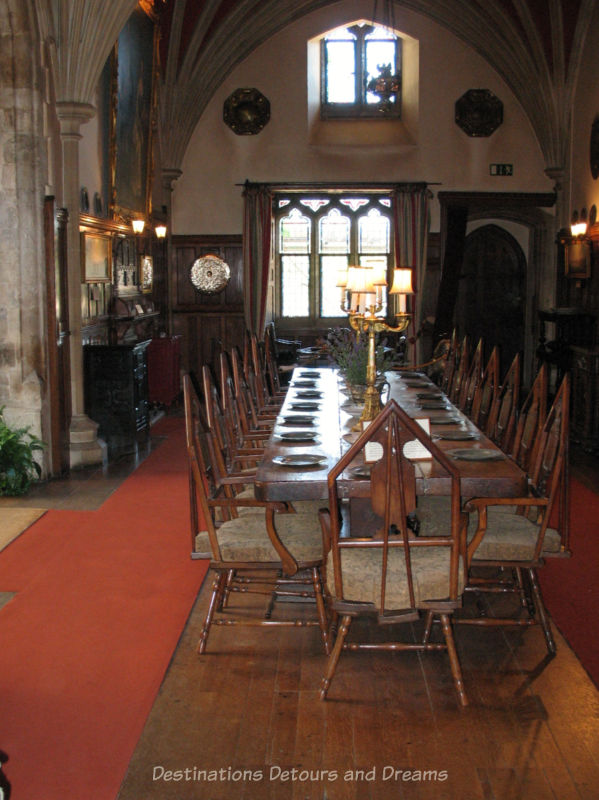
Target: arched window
point(361, 72)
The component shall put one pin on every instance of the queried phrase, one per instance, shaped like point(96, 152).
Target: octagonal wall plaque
point(246, 111)
point(479, 112)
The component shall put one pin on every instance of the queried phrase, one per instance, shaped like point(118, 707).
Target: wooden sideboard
point(116, 393)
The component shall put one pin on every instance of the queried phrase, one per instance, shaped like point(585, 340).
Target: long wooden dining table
point(314, 428)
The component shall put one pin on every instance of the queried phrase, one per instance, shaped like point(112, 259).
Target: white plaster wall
point(584, 190)
point(207, 200)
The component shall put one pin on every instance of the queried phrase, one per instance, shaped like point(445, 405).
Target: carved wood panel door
point(492, 292)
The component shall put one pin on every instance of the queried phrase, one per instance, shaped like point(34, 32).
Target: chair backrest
point(263, 392)
point(472, 380)
point(450, 364)
point(461, 371)
point(502, 419)
point(270, 361)
point(222, 423)
point(549, 467)
point(387, 521)
point(531, 418)
point(486, 392)
point(202, 480)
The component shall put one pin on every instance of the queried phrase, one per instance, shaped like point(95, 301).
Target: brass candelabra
point(361, 300)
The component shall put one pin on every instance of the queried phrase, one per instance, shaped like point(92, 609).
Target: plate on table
point(304, 383)
point(296, 436)
point(445, 420)
point(301, 460)
point(477, 454)
point(361, 471)
point(429, 395)
point(308, 393)
point(298, 419)
point(310, 374)
point(415, 384)
point(438, 406)
point(307, 406)
point(457, 436)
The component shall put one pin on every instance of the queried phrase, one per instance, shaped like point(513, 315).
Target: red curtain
point(257, 254)
point(411, 223)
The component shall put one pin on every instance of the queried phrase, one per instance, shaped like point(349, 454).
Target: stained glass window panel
point(373, 233)
point(333, 233)
point(294, 233)
point(330, 295)
point(295, 286)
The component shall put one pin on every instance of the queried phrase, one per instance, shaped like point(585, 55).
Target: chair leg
point(428, 624)
point(521, 589)
point(334, 657)
point(218, 588)
point(227, 590)
point(454, 661)
point(321, 611)
point(541, 611)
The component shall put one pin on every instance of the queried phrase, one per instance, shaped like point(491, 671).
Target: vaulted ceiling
point(535, 45)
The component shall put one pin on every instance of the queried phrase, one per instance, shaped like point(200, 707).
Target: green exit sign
point(502, 169)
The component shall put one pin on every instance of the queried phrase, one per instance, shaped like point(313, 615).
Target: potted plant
point(18, 467)
point(350, 353)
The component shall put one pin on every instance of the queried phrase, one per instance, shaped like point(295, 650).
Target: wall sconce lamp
point(138, 225)
point(577, 247)
point(160, 231)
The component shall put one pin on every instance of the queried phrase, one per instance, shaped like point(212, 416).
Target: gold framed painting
point(577, 258)
point(96, 257)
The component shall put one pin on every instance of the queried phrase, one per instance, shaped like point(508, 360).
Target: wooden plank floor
point(251, 703)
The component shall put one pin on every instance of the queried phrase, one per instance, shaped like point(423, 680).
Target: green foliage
point(18, 467)
point(350, 352)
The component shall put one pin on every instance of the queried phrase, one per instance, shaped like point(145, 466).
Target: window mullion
point(314, 270)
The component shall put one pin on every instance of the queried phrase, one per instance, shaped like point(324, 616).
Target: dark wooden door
point(492, 292)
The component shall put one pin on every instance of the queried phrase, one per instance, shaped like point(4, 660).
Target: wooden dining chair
point(471, 380)
point(531, 418)
point(461, 371)
point(515, 534)
point(378, 566)
point(486, 392)
point(450, 364)
point(271, 551)
point(238, 447)
point(504, 412)
point(236, 398)
point(267, 397)
point(245, 390)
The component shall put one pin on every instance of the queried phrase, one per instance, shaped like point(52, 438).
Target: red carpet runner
point(571, 586)
point(101, 600)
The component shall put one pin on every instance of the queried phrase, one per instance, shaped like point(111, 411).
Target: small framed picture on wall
point(96, 257)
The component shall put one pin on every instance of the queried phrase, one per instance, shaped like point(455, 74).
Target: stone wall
point(22, 171)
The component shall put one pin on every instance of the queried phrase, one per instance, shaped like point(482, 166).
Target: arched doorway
point(491, 298)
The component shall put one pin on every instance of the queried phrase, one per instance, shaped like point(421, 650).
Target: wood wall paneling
point(205, 322)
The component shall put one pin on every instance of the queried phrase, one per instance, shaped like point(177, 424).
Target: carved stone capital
point(169, 176)
point(72, 116)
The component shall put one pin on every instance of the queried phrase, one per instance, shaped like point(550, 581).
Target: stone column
point(84, 447)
